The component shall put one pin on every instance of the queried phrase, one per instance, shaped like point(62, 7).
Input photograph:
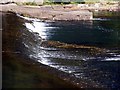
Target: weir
point(21, 37)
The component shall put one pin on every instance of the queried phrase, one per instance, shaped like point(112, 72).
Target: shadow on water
point(87, 50)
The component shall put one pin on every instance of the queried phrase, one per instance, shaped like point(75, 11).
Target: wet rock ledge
point(49, 12)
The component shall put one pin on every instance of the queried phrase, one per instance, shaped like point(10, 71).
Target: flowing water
point(100, 69)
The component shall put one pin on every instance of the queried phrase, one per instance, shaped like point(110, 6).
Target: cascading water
point(88, 66)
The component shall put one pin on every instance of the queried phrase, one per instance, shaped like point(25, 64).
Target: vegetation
point(63, 1)
point(51, 2)
point(30, 3)
point(76, 1)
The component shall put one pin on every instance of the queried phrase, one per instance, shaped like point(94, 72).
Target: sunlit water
point(99, 70)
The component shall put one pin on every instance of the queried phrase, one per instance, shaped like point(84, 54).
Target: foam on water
point(113, 59)
point(39, 27)
point(28, 18)
point(36, 25)
point(100, 19)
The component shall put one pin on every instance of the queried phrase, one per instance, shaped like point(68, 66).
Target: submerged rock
point(57, 44)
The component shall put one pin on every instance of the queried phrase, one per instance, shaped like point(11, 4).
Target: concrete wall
point(22, 1)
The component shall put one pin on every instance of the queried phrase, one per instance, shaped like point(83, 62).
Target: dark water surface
point(98, 70)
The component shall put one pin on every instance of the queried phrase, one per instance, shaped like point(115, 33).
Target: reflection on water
point(97, 70)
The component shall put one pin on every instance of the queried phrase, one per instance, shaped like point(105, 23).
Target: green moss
point(106, 14)
point(30, 3)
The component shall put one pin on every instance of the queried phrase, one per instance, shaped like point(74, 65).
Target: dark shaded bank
point(19, 71)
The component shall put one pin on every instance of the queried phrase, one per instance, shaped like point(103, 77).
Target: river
point(101, 69)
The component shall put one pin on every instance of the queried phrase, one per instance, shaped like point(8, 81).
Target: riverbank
point(59, 12)
point(23, 73)
point(48, 12)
